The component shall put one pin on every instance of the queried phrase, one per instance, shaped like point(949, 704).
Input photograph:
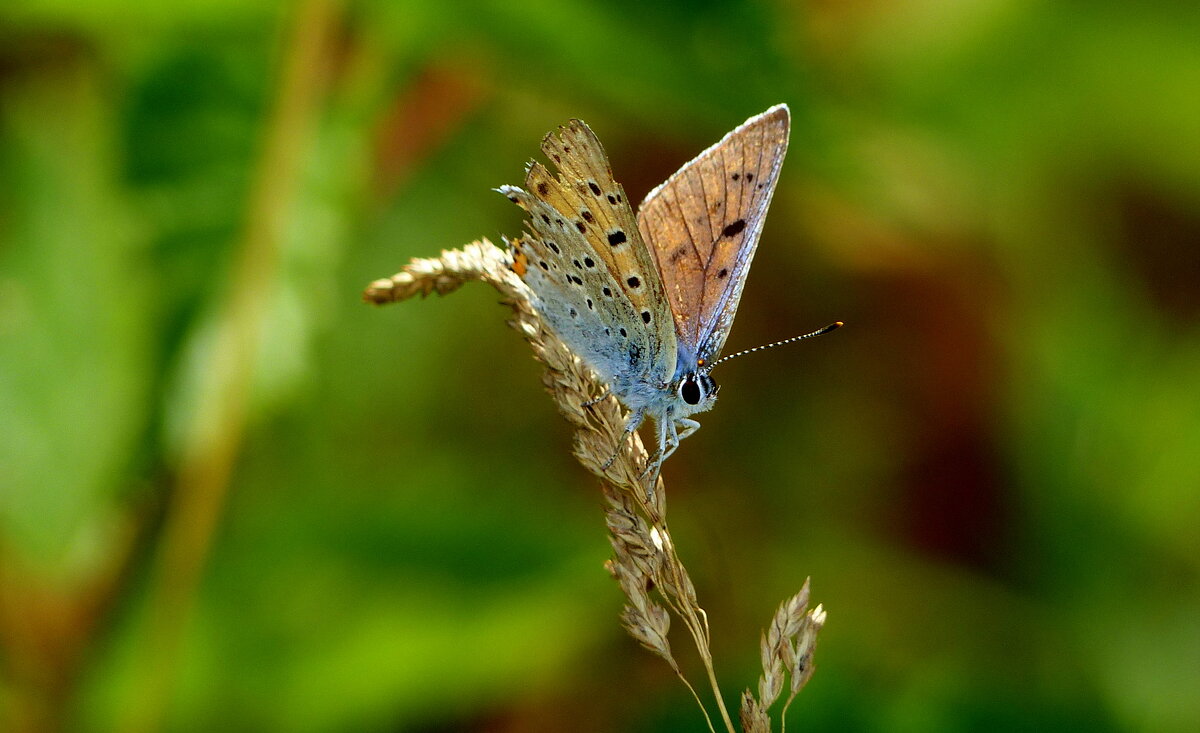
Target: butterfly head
point(696, 390)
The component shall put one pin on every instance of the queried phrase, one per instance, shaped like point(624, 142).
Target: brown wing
point(703, 226)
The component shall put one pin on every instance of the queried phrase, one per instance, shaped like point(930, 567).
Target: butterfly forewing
point(703, 225)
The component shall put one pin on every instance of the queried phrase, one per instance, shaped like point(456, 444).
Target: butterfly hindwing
point(703, 226)
point(576, 295)
point(584, 258)
point(602, 213)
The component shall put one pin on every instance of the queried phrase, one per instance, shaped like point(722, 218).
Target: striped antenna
point(831, 327)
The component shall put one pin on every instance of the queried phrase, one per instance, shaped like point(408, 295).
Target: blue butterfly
point(648, 302)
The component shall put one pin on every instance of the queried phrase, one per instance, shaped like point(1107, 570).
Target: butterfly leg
point(689, 426)
point(664, 428)
point(631, 425)
point(669, 437)
point(597, 400)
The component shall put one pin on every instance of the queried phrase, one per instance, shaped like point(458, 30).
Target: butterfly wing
point(703, 226)
point(595, 279)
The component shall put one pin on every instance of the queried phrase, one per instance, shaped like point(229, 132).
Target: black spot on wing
point(617, 237)
point(634, 282)
point(734, 229)
point(595, 189)
point(543, 188)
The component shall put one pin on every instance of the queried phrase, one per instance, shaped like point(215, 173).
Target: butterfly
point(647, 301)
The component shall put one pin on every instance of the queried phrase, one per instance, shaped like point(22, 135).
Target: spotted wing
point(703, 226)
point(586, 261)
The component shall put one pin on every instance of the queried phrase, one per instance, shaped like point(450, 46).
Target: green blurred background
point(233, 497)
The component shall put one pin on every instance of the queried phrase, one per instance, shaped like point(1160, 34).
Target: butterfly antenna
point(820, 331)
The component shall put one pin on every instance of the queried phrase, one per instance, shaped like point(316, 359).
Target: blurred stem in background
point(211, 441)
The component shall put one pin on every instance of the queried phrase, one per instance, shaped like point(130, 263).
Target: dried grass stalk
point(644, 563)
point(753, 718)
point(786, 647)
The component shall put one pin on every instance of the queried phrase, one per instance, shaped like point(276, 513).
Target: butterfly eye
point(689, 391)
